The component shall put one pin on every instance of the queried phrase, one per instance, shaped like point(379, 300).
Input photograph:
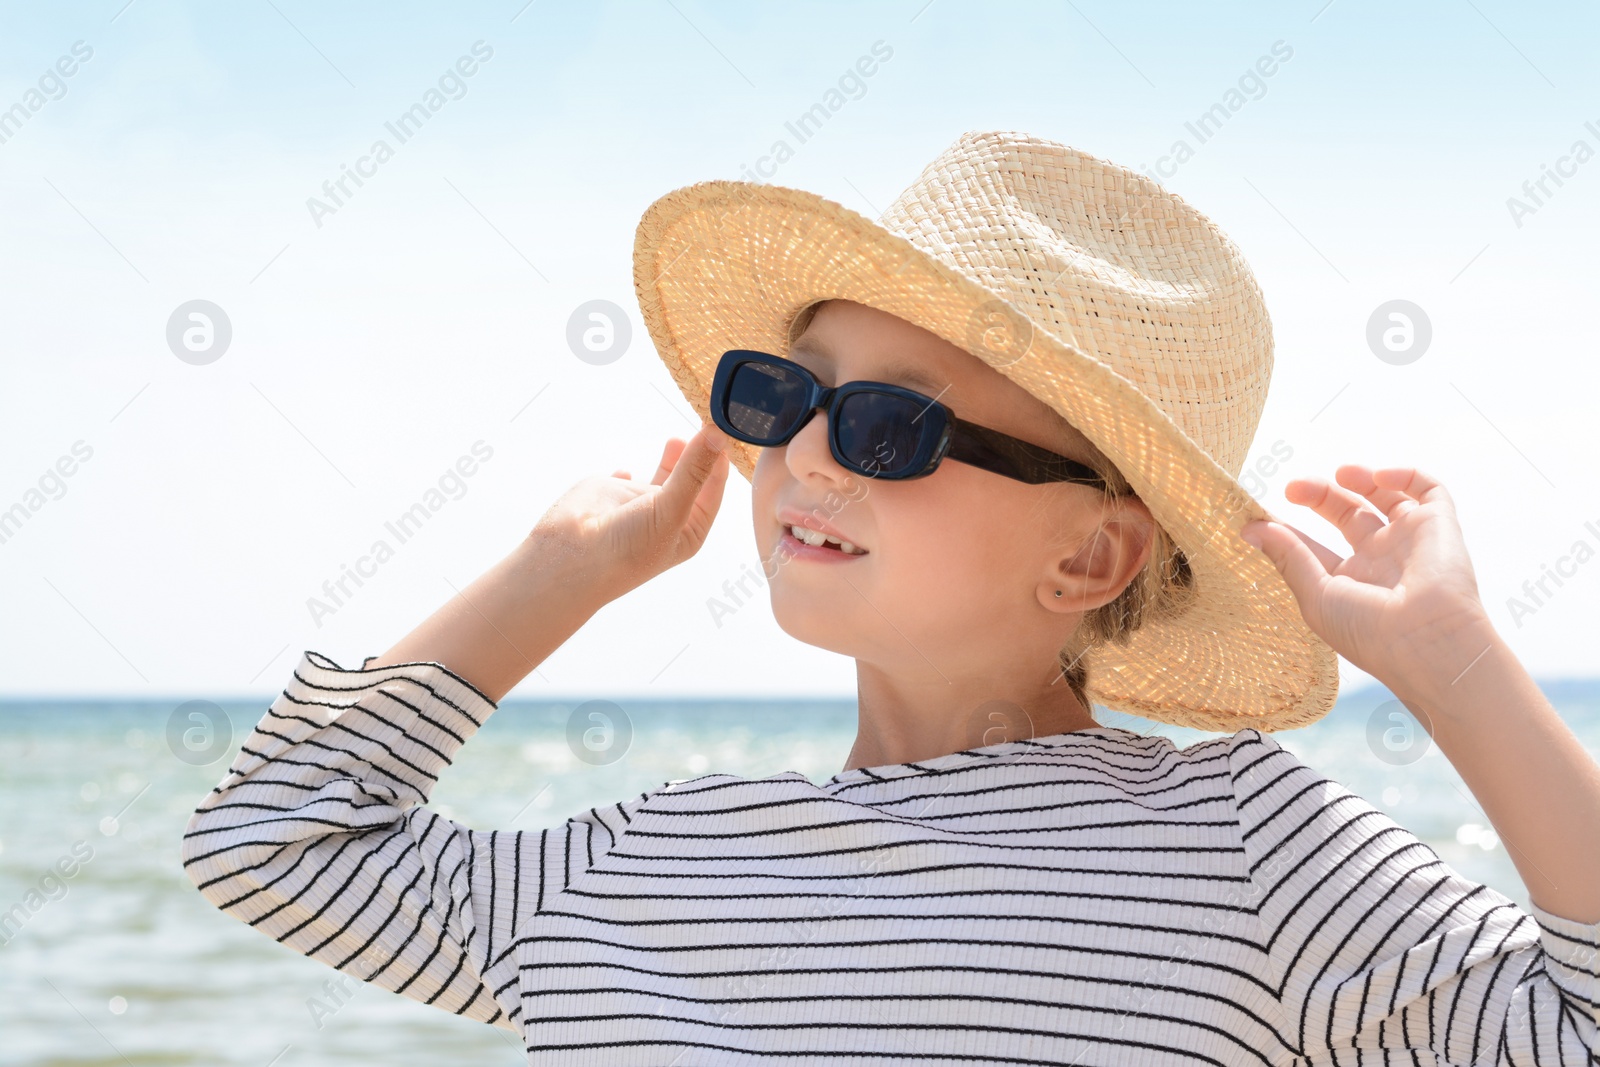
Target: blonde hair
point(1163, 588)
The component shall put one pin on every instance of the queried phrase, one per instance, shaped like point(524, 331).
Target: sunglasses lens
point(764, 401)
point(880, 433)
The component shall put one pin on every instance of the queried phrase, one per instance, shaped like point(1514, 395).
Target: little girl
point(975, 517)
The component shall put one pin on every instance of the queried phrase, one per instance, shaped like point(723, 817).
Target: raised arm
point(509, 620)
point(1433, 950)
point(1375, 943)
point(1404, 607)
point(320, 836)
point(604, 537)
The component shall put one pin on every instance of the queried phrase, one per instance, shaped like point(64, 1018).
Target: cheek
point(937, 573)
point(956, 554)
point(765, 478)
point(947, 526)
point(967, 528)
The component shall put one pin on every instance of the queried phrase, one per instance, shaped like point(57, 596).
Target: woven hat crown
point(1092, 288)
point(1110, 263)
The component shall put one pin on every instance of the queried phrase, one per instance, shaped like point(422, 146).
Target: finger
point(1393, 502)
point(1419, 486)
point(1294, 560)
point(669, 459)
point(707, 503)
point(1325, 555)
point(621, 474)
point(1349, 512)
point(688, 475)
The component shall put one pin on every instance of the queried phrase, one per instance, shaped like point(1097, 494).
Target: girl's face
point(961, 566)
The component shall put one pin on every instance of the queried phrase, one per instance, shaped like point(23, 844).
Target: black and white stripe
point(1098, 897)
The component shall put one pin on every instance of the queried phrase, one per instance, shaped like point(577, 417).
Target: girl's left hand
point(1398, 606)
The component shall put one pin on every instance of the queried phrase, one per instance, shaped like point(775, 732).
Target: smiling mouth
point(816, 539)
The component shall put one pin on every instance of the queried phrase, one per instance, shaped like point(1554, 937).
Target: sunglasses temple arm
point(1014, 458)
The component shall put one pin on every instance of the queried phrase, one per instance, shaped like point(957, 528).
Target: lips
point(790, 516)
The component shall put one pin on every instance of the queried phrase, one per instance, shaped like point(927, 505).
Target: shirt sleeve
point(1375, 943)
point(320, 837)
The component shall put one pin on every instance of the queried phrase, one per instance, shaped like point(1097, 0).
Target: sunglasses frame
point(953, 438)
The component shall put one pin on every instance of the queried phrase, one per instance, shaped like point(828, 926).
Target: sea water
point(121, 961)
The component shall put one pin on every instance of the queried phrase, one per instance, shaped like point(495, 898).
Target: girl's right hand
point(618, 533)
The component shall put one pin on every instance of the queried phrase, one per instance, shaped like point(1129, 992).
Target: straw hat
point(1092, 287)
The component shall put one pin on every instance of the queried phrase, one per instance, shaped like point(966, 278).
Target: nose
point(812, 437)
point(807, 453)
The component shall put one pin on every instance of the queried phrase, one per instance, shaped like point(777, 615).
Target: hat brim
point(721, 264)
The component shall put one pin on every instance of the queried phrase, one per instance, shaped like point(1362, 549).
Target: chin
point(813, 628)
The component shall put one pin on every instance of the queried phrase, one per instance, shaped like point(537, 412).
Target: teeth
point(810, 537)
point(815, 537)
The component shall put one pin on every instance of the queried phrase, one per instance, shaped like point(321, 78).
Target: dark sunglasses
point(875, 429)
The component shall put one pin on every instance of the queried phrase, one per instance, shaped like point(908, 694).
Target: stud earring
point(1058, 592)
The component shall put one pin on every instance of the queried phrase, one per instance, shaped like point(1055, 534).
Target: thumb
point(684, 481)
point(1299, 567)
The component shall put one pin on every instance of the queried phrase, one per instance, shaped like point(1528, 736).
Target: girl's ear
point(1103, 564)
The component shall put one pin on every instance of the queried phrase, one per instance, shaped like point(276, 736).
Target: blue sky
point(428, 312)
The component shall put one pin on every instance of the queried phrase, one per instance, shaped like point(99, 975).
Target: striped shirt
point(1095, 897)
